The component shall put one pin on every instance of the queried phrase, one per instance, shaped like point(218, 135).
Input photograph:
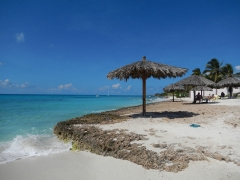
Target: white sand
point(87, 166)
point(215, 135)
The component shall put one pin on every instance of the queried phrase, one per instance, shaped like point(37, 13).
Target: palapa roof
point(201, 88)
point(149, 68)
point(195, 80)
point(230, 81)
point(173, 87)
point(145, 69)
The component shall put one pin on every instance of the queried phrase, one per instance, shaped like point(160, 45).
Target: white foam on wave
point(100, 111)
point(157, 99)
point(31, 145)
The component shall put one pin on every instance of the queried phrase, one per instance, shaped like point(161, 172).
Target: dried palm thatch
point(201, 88)
point(172, 88)
point(195, 80)
point(230, 81)
point(145, 69)
point(148, 68)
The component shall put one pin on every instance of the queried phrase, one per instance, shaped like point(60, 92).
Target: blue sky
point(68, 47)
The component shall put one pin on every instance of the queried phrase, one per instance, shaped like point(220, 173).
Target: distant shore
point(211, 151)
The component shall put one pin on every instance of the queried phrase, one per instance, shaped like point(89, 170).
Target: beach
point(211, 151)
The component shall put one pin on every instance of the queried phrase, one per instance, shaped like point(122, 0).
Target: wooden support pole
point(144, 93)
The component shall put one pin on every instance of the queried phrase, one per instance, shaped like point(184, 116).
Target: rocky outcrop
point(122, 144)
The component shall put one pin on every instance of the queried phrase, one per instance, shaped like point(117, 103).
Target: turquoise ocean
point(27, 121)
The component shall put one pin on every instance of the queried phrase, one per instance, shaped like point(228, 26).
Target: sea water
point(27, 121)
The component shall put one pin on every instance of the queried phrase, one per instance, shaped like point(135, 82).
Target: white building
point(216, 92)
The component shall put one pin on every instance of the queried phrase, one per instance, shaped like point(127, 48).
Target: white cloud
point(20, 37)
point(0, 63)
point(6, 83)
point(128, 88)
point(25, 85)
point(116, 86)
point(65, 87)
point(68, 87)
point(237, 68)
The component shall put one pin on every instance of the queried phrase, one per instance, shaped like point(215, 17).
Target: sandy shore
point(166, 123)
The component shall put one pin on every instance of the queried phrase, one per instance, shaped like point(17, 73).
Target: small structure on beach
point(145, 69)
point(229, 82)
point(201, 88)
point(194, 81)
point(172, 88)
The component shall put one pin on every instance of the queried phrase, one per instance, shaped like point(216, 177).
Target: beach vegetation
point(74, 146)
point(164, 94)
point(180, 94)
point(197, 72)
point(213, 70)
point(227, 71)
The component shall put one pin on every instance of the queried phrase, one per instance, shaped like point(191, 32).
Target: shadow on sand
point(166, 114)
point(206, 103)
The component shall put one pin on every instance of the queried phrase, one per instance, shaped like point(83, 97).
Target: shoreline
point(88, 166)
point(163, 116)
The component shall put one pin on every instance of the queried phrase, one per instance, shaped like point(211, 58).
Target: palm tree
point(196, 71)
point(227, 71)
point(213, 70)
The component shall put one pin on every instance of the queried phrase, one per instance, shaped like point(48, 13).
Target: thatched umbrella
point(229, 82)
point(145, 69)
point(195, 80)
point(172, 88)
point(201, 88)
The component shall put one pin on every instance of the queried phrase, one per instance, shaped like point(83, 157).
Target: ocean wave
point(100, 111)
point(156, 99)
point(31, 145)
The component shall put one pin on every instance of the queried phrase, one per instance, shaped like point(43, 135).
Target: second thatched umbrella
point(229, 82)
point(145, 69)
point(195, 80)
point(201, 88)
point(172, 88)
